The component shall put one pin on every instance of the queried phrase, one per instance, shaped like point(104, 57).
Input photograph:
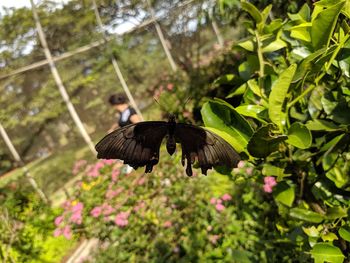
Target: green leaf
point(251, 111)
point(222, 116)
point(233, 140)
point(278, 95)
point(271, 170)
point(237, 91)
point(322, 252)
point(284, 193)
point(306, 215)
point(321, 125)
point(344, 233)
point(247, 45)
point(274, 46)
point(301, 32)
point(323, 25)
point(336, 212)
point(299, 136)
point(240, 256)
point(264, 142)
point(252, 10)
point(225, 79)
point(311, 231)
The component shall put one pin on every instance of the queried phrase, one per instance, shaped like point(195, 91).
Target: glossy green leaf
point(344, 233)
point(323, 25)
point(237, 91)
point(252, 111)
point(278, 95)
point(336, 213)
point(247, 45)
point(234, 140)
point(301, 32)
point(311, 231)
point(329, 237)
point(264, 142)
point(299, 136)
point(274, 46)
point(284, 193)
point(225, 79)
point(272, 170)
point(306, 215)
point(321, 125)
point(322, 252)
point(222, 116)
point(252, 10)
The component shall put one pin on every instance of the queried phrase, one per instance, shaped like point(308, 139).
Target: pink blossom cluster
point(218, 202)
point(94, 170)
point(78, 165)
point(121, 219)
point(72, 215)
point(110, 194)
point(269, 183)
point(105, 209)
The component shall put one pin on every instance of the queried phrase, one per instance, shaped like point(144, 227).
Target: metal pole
point(161, 37)
point(115, 64)
point(19, 160)
point(59, 82)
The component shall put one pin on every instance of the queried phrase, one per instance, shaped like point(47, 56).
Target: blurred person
point(127, 113)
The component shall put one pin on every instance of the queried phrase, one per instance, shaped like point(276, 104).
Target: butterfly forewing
point(137, 144)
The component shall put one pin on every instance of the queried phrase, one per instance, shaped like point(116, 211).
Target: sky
point(127, 25)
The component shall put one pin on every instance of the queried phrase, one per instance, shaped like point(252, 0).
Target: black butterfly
point(138, 145)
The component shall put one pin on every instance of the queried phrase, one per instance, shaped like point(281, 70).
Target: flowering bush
point(168, 216)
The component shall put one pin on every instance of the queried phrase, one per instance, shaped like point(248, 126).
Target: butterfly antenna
point(160, 105)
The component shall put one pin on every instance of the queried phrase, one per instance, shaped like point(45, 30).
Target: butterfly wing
point(137, 144)
point(204, 146)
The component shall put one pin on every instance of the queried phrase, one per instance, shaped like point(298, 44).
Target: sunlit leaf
point(322, 252)
point(278, 95)
point(299, 136)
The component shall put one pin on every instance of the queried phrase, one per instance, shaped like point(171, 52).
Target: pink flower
point(249, 170)
point(115, 174)
point(67, 233)
point(108, 162)
point(220, 207)
point(141, 181)
point(78, 165)
point(267, 188)
point(167, 224)
point(76, 217)
point(213, 239)
point(78, 207)
point(140, 205)
point(226, 197)
point(58, 220)
point(107, 209)
point(240, 164)
point(57, 232)
point(96, 211)
point(121, 219)
point(218, 201)
point(170, 86)
point(213, 200)
point(269, 183)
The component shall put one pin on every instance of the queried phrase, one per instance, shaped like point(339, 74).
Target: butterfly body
point(138, 145)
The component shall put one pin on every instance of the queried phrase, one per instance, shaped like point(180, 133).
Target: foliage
point(166, 216)
point(26, 227)
point(296, 99)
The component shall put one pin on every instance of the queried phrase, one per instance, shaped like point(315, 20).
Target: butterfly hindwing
point(137, 144)
point(208, 148)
